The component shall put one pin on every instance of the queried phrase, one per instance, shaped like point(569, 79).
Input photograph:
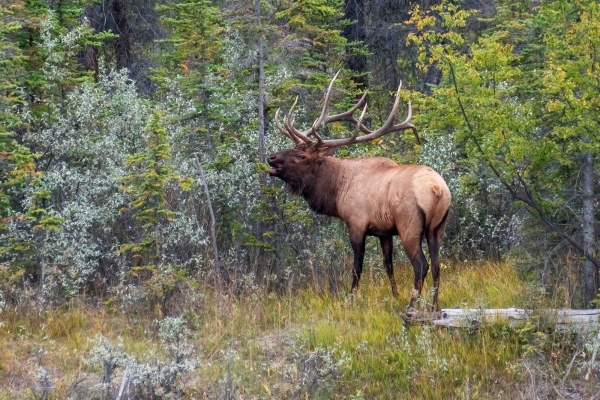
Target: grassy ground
point(306, 345)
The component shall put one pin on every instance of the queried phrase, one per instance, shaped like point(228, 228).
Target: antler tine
point(289, 124)
point(345, 116)
point(325, 119)
point(314, 131)
point(359, 123)
point(326, 100)
point(291, 110)
point(407, 125)
point(390, 119)
point(282, 129)
point(290, 130)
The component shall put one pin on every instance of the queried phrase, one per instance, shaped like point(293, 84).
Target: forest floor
point(300, 345)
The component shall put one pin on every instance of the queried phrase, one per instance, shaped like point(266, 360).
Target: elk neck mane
point(320, 187)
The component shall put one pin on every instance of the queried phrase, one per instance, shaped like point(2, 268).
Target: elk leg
point(387, 246)
point(433, 243)
point(357, 240)
point(414, 251)
point(434, 240)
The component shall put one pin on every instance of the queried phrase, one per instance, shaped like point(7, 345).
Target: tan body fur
point(387, 194)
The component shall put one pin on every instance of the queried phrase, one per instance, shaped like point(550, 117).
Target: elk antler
point(388, 127)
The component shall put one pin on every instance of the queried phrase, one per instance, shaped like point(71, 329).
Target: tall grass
point(301, 344)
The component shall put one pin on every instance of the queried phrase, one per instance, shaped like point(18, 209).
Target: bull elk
point(372, 195)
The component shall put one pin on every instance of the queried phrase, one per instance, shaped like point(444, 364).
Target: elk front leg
point(387, 246)
point(357, 240)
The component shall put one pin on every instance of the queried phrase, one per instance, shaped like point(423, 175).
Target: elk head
point(296, 166)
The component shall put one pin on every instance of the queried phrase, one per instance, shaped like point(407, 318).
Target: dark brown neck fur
point(321, 189)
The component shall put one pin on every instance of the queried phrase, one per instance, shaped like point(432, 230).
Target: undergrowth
point(297, 345)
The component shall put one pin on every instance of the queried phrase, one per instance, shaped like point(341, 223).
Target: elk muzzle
point(275, 162)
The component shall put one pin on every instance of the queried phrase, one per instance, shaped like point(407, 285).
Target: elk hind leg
point(387, 246)
point(434, 241)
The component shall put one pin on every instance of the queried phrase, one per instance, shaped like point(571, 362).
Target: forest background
point(133, 138)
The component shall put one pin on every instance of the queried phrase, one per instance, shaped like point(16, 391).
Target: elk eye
point(300, 156)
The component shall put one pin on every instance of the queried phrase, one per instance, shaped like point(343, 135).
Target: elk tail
point(437, 189)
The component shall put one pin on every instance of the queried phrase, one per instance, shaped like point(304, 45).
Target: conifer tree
point(23, 204)
point(149, 174)
point(319, 24)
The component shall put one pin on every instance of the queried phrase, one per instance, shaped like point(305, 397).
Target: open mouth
point(274, 170)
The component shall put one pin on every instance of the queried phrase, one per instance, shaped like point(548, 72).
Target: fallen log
point(582, 321)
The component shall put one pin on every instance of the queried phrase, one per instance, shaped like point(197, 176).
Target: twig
point(123, 384)
point(571, 366)
point(213, 225)
point(589, 371)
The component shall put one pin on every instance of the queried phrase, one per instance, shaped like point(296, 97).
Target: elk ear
point(327, 151)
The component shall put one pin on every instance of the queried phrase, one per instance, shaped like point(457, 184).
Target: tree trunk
point(588, 225)
point(90, 55)
point(213, 231)
point(355, 11)
point(262, 156)
point(122, 43)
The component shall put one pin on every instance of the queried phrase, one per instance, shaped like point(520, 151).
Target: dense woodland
point(134, 134)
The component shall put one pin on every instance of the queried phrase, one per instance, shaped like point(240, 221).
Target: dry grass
point(302, 345)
